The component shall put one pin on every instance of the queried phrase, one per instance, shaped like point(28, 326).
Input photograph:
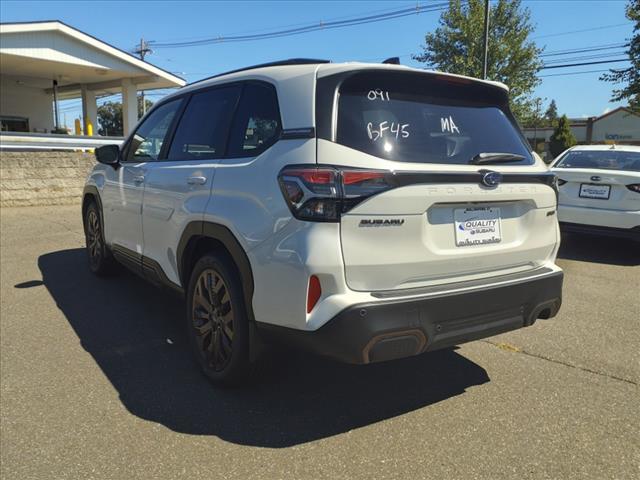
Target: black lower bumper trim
point(631, 233)
point(393, 329)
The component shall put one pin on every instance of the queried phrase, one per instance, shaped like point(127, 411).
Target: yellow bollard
point(89, 129)
point(77, 126)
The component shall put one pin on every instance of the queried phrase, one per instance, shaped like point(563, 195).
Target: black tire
point(100, 260)
point(217, 322)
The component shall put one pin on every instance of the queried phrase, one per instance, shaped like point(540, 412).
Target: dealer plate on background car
point(589, 190)
point(477, 226)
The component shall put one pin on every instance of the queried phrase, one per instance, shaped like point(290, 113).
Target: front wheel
point(218, 327)
point(100, 260)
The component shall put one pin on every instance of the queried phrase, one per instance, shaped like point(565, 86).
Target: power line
point(585, 57)
point(181, 39)
point(417, 9)
point(593, 48)
point(573, 73)
point(602, 27)
point(585, 63)
point(553, 53)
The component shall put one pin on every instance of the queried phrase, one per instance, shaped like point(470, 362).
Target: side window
point(256, 125)
point(147, 142)
point(203, 128)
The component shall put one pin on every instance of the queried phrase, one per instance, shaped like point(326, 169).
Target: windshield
point(601, 159)
point(426, 121)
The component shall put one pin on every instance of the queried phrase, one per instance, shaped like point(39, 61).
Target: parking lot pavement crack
point(514, 349)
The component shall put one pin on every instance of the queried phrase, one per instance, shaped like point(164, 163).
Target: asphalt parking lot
point(97, 382)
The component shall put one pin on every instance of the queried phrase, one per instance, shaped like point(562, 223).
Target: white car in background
point(599, 190)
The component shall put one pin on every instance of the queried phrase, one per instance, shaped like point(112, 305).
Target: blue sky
point(123, 23)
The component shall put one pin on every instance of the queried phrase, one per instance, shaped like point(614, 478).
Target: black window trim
point(186, 98)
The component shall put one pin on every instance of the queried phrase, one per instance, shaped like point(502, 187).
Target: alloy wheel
point(94, 237)
point(212, 319)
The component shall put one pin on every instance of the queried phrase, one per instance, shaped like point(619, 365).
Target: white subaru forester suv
point(365, 212)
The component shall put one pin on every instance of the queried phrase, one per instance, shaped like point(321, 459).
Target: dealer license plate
point(477, 226)
point(589, 190)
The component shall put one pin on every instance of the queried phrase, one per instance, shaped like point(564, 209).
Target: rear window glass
point(602, 159)
point(411, 118)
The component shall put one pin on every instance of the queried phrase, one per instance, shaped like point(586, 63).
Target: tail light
point(634, 187)
point(561, 182)
point(322, 194)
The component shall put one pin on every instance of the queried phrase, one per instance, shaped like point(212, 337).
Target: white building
point(620, 126)
point(44, 62)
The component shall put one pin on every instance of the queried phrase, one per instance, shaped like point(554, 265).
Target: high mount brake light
point(322, 194)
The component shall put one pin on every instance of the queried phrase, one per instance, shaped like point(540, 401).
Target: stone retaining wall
point(43, 178)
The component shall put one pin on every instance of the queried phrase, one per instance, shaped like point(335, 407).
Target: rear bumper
point(379, 331)
point(630, 233)
point(599, 217)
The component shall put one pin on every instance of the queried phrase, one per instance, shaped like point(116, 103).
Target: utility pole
point(535, 125)
point(143, 50)
point(486, 38)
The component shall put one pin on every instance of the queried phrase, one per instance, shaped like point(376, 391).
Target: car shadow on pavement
point(135, 334)
point(595, 249)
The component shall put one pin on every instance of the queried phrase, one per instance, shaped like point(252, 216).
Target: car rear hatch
point(421, 206)
point(605, 179)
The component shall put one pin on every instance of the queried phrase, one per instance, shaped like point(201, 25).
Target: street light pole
point(486, 39)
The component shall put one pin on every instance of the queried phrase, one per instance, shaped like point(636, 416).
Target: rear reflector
point(313, 293)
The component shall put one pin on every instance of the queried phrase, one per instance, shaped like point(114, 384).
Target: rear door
point(443, 218)
point(178, 186)
point(600, 179)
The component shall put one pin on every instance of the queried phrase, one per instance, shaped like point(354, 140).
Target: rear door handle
point(197, 180)
point(138, 179)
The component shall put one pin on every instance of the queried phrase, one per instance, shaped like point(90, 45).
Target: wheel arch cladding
point(199, 238)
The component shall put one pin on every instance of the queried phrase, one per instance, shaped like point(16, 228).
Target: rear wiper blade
point(483, 158)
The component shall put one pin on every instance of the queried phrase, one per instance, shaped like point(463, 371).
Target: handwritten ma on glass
point(447, 125)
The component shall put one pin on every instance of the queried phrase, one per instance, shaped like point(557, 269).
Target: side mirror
point(108, 154)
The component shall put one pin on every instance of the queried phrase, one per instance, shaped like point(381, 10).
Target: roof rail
point(279, 63)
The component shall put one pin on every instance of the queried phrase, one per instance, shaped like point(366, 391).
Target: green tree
point(456, 46)
point(629, 76)
point(551, 115)
point(110, 117)
point(562, 137)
